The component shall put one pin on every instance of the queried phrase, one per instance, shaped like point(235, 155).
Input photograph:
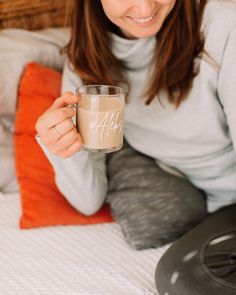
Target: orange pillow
point(42, 203)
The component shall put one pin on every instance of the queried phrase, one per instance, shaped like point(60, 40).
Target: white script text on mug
point(110, 122)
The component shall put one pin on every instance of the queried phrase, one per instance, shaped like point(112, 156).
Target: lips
point(143, 20)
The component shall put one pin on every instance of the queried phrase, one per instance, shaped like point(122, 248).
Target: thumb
point(66, 99)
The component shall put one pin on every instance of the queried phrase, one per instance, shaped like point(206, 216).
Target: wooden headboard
point(33, 14)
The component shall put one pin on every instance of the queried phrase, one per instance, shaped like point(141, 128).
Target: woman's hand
point(56, 129)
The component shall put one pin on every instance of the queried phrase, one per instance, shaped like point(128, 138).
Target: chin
point(138, 33)
point(144, 35)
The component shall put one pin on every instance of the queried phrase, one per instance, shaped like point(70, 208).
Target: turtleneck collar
point(136, 53)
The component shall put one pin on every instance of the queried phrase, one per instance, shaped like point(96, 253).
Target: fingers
point(48, 120)
point(55, 127)
point(69, 151)
point(65, 126)
point(66, 145)
point(64, 100)
point(52, 135)
point(57, 112)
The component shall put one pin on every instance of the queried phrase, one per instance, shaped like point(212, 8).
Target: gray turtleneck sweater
point(198, 139)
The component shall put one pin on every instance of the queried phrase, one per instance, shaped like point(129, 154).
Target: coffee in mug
point(100, 117)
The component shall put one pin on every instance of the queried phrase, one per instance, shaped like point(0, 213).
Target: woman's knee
point(152, 206)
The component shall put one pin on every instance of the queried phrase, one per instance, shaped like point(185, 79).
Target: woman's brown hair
point(179, 42)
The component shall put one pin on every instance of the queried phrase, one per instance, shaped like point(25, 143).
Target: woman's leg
point(203, 261)
point(152, 207)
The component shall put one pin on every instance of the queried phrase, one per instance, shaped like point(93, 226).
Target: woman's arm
point(227, 84)
point(82, 177)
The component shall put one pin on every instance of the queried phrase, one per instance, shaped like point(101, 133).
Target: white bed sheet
point(81, 260)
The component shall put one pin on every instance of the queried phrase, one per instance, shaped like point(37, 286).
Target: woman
point(178, 60)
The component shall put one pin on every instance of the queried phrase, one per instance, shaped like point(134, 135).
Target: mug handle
point(75, 106)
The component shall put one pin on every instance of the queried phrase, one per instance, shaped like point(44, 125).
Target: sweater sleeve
point(227, 84)
point(81, 178)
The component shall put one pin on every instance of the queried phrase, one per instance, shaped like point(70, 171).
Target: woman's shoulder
point(219, 24)
point(221, 15)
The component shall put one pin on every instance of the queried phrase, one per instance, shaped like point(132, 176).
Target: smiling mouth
point(143, 20)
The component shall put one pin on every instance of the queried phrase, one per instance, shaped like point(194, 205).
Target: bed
point(73, 259)
point(81, 260)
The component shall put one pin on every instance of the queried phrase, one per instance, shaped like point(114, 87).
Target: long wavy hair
point(179, 42)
